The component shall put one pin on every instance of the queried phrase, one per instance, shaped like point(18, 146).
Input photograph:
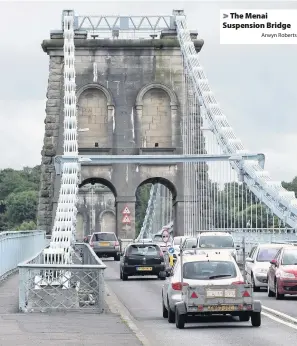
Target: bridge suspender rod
point(282, 202)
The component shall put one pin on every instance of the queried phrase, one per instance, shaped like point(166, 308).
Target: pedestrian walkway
point(75, 329)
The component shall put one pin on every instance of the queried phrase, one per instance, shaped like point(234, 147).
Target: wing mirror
point(273, 262)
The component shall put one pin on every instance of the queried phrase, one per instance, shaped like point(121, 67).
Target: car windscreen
point(209, 270)
point(266, 254)
point(189, 243)
point(216, 241)
point(143, 250)
point(104, 237)
point(289, 257)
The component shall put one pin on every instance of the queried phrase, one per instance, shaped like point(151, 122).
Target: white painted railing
point(18, 246)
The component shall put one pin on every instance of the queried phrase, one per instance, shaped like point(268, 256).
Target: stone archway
point(156, 112)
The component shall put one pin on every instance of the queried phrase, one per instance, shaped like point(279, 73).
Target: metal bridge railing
point(16, 247)
point(84, 280)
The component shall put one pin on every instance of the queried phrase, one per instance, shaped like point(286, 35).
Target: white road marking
point(280, 314)
point(291, 325)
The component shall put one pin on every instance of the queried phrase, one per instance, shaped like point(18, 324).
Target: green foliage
point(19, 198)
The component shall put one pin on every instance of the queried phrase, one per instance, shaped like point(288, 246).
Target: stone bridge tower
point(130, 97)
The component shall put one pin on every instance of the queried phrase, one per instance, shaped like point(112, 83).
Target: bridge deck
point(76, 329)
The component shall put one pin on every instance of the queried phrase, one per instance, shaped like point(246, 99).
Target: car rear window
point(216, 241)
point(143, 250)
point(104, 237)
point(266, 254)
point(208, 270)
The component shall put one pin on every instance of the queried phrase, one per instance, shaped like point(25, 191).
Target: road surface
point(142, 297)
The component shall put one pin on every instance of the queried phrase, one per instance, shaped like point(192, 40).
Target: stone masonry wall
point(54, 106)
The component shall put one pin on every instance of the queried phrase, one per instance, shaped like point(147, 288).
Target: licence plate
point(221, 293)
point(214, 294)
point(221, 308)
point(144, 269)
point(104, 243)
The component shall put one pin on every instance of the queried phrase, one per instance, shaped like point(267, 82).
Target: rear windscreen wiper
point(219, 276)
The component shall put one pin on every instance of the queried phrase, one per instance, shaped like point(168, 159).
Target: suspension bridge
point(223, 185)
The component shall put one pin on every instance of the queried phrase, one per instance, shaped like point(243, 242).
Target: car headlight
point(285, 275)
point(261, 271)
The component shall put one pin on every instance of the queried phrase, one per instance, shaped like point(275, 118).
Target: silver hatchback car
point(106, 244)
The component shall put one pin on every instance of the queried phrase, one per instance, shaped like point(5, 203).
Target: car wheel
point(278, 296)
point(180, 320)
point(256, 319)
point(255, 288)
point(117, 257)
point(164, 309)
point(171, 314)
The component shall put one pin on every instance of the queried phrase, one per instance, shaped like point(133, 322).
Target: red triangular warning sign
point(126, 219)
point(126, 211)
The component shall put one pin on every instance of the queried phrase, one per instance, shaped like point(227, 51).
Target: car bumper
point(105, 252)
point(133, 271)
point(287, 287)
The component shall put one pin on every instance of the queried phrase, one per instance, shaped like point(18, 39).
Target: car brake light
point(246, 294)
point(117, 243)
point(238, 283)
point(177, 286)
point(194, 295)
point(161, 254)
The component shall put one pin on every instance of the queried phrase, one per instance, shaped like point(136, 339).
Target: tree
point(21, 206)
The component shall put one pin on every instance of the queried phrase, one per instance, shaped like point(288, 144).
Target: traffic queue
point(204, 275)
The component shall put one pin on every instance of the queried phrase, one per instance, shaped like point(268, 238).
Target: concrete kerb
point(116, 307)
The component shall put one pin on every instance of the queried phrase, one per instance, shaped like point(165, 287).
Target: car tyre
point(278, 296)
point(180, 320)
point(256, 319)
point(164, 310)
point(171, 314)
point(255, 288)
point(117, 257)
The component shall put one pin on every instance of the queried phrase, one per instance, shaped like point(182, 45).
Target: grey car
point(106, 244)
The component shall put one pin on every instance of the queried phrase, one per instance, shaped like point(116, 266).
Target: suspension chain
point(63, 233)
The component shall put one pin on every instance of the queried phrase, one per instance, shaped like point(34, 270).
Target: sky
point(255, 85)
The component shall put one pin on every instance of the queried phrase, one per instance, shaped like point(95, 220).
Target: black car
point(142, 259)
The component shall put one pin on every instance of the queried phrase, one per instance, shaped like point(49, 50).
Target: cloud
point(255, 85)
point(22, 130)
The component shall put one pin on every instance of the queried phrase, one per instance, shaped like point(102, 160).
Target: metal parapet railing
point(80, 286)
point(16, 247)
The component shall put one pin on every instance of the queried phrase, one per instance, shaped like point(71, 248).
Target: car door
point(249, 265)
point(272, 270)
